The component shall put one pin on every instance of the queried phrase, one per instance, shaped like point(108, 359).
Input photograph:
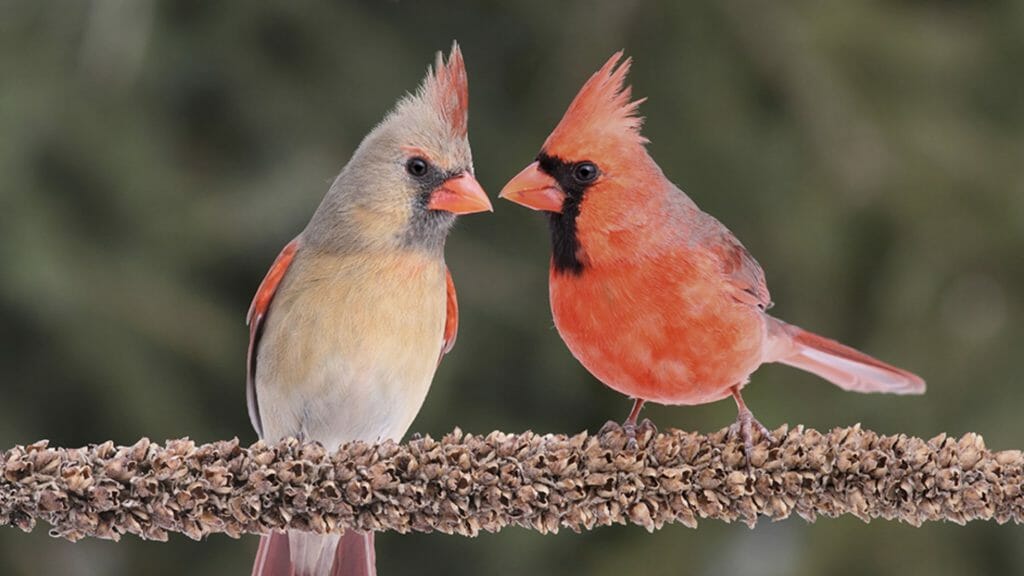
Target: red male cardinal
point(349, 325)
point(655, 297)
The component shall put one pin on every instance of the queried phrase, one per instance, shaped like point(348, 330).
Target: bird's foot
point(646, 426)
point(744, 428)
point(612, 431)
point(630, 429)
point(609, 427)
point(645, 430)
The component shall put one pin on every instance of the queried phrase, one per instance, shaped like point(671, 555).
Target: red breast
point(661, 330)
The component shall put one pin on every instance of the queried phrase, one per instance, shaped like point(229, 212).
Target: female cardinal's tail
point(841, 365)
point(272, 556)
point(306, 554)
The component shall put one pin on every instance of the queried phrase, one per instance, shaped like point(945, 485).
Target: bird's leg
point(634, 414)
point(629, 426)
point(745, 422)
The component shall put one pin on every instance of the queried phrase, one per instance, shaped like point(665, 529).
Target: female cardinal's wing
point(451, 320)
point(255, 318)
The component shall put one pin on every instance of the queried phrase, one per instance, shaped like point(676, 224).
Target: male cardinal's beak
point(534, 189)
point(460, 194)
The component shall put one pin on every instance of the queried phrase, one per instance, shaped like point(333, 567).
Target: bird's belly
point(345, 402)
point(349, 362)
point(671, 344)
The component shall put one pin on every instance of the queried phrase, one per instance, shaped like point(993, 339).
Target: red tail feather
point(843, 366)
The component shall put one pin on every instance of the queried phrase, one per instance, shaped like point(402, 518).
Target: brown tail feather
point(843, 366)
point(353, 556)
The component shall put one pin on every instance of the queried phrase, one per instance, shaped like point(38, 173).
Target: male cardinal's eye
point(585, 172)
point(417, 167)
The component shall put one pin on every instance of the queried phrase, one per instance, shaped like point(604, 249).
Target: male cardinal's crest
point(603, 111)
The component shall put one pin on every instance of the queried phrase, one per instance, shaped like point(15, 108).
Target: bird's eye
point(585, 172)
point(417, 167)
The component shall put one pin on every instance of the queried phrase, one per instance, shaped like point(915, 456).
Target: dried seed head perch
point(463, 484)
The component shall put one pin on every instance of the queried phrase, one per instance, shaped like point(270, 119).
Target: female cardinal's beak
point(460, 194)
point(534, 189)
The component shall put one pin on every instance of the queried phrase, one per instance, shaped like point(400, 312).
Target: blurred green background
point(155, 156)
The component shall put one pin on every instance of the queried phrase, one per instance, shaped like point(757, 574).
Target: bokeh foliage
point(154, 156)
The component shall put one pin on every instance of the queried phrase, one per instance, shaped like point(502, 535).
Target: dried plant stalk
point(463, 484)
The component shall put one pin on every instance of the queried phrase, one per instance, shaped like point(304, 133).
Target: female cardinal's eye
point(585, 172)
point(417, 166)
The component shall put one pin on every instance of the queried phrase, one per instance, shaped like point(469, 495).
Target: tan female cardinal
point(347, 328)
point(656, 298)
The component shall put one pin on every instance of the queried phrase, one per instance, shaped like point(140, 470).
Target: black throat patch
point(428, 228)
point(565, 242)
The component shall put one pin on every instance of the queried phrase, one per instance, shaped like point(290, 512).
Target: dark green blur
point(155, 156)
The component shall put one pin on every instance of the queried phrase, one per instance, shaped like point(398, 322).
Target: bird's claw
point(631, 430)
point(647, 426)
point(612, 428)
point(646, 429)
point(744, 428)
point(608, 428)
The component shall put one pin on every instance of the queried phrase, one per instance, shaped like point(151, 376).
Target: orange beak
point(460, 194)
point(534, 189)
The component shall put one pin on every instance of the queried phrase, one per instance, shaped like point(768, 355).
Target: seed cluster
point(463, 483)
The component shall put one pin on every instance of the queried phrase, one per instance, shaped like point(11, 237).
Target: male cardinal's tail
point(841, 365)
point(303, 554)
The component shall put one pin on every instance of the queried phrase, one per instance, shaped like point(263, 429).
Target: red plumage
point(655, 297)
point(254, 319)
point(451, 317)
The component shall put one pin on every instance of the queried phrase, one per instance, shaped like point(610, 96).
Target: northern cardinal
point(656, 298)
point(351, 321)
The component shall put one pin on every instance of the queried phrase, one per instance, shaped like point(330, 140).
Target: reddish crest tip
point(603, 107)
point(447, 87)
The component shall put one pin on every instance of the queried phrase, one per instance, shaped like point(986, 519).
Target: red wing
point(451, 320)
point(741, 270)
point(257, 314)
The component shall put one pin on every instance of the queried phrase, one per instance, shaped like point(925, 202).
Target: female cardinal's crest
point(446, 89)
point(601, 110)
